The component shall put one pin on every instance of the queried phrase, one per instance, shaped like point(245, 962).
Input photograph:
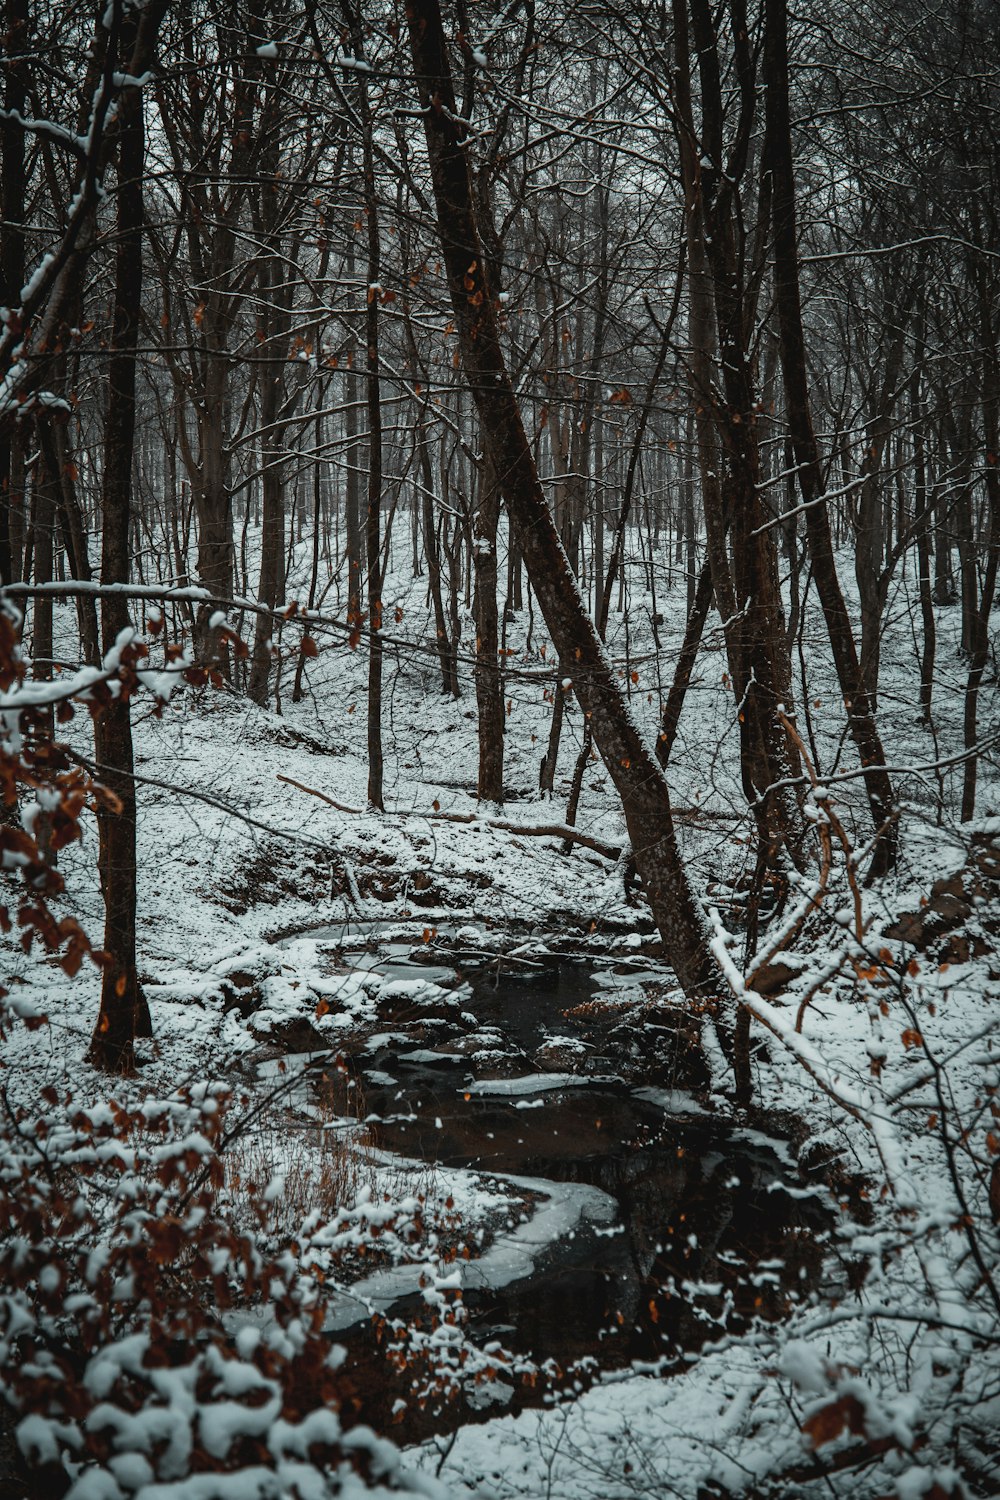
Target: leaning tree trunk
point(860, 709)
point(630, 762)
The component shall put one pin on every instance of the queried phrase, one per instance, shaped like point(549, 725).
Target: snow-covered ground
point(901, 1035)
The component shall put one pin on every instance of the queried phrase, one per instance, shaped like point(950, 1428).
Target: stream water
point(656, 1224)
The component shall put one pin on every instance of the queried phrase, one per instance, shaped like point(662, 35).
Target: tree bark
point(44, 484)
point(446, 648)
point(12, 212)
point(123, 1013)
point(697, 615)
point(52, 443)
point(373, 402)
point(745, 580)
point(922, 519)
point(981, 640)
point(644, 793)
point(860, 711)
point(868, 571)
point(273, 323)
point(489, 684)
point(215, 206)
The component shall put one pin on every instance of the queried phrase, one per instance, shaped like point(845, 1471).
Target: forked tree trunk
point(860, 712)
point(630, 762)
point(721, 304)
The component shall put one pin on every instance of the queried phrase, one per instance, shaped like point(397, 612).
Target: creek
point(652, 1224)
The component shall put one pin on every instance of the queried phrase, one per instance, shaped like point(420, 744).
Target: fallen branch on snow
point(501, 825)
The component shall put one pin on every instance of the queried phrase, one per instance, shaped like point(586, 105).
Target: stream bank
point(645, 1225)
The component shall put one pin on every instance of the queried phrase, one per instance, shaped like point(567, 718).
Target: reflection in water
point(708, 1234)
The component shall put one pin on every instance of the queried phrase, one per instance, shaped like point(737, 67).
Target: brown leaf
point(825, 1425)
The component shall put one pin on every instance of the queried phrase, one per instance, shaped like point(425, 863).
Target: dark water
point(709, 1227)
point(695, 1202)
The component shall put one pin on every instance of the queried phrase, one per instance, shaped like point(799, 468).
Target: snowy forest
point(499, 750)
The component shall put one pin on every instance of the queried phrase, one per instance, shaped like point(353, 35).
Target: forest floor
point(256, 896)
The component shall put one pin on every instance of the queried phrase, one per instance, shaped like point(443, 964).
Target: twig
point(502, 825)
point(314, 792)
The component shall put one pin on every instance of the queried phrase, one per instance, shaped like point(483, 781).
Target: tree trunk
point(860, 711)
point(644, 794)
point(52, 442)
point(489, 684)
point(981, 639)
point(691, 554)
point(354, 545)
point(697, 615)
point(12, 214)
point(273, 324)
point(922, 518)
point(870, 537)
point(550, 760)
point(746, 589)
point(373, 402)
point(123, 1014)
point(968, 577)
point(446, 650)
point(43, 526)
point(314, 569)
point(944, 581)
point(213, 501)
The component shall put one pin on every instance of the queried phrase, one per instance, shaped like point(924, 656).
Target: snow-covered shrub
point(55, 791)
point(121, 1367)
point(122, 1373)
point(898, 1380)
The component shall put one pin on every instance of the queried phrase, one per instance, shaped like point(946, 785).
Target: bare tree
point(630, 762)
